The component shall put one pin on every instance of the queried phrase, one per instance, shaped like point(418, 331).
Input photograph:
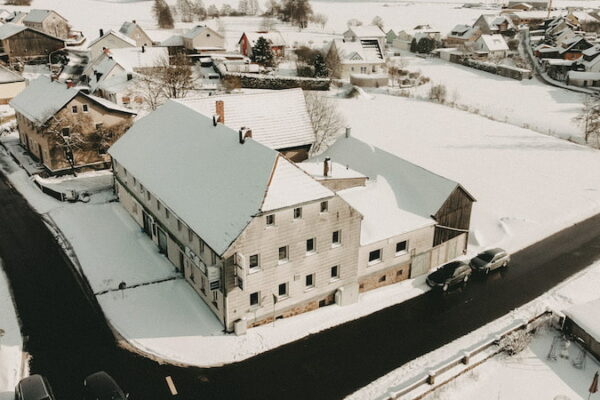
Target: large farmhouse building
point(20, 43)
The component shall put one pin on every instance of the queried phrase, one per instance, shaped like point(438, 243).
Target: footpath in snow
point(11, 343)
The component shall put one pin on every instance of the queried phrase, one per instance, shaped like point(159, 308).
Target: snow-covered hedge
point(256, 81)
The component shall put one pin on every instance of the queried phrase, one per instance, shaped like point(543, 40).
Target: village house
point(133, 31)
point(462, 35)
point(20, 43)
point(48, 21)
point(534, 5)
point(531, 18)
point(419, 220)
point(198, 40)
point(390, 36)
point(274, 38)
point(281, 122)
point(490, 24)
point(65, 128)
point(109, 40)
point(359, 58)
point(406, 36)
point(254, 235)
point(583, 79)
point(572, 49)
point(11, 84)
point(494, 46)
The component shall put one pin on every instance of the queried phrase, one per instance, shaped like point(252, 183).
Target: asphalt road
point(68, 338)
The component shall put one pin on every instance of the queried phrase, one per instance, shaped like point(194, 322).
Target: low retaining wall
point(502, 70)
point(257, 81)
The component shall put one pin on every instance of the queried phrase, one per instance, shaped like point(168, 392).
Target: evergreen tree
point(413, 46)
point(262, 53)
point(320, 66)
point(163, 15)
point(425, 45)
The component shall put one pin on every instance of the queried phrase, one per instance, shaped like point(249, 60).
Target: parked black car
point(101, 386)
point(449, 275)
point(490, 260)
point(34, 387)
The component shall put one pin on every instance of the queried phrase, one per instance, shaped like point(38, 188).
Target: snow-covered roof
point(587, 316)
point(192, 33)
point(357, 52)
point(274, 37)
point(460, 29)
point(43, 98)
point(278, 119)
point(9, 76)
point(368, 31)
point(133, 57)
point(129, 27)
point(202, 173)
point(38, 16)
point(116, 34)
point(416, 189)
point(581, 75)
point(8, 30)
point(592, 51)
point(336, 171)
point(494, 42)
point(173, 41)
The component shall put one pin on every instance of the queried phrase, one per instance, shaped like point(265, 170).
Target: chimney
point(220, 110)
point(348, 131)
point(70, 83)
point(101, 32)
point(243, 134)
point(133, 21)
point(106, 50)
point(143, 49)
point(326, 166)
point(248, 134)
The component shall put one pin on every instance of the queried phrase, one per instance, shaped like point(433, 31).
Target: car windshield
point(486, 256)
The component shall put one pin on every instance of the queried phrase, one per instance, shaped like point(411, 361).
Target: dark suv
point(101, 386)
point(34, 387)
point(490, 260)
point(449, 275)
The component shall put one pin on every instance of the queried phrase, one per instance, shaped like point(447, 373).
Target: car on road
point(101, 386)
point(490, 260)
point(449, 275)
point(34, 387)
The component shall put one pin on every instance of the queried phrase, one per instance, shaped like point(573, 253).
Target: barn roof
point(38, 16)
point(9, 76)
point(8, 30)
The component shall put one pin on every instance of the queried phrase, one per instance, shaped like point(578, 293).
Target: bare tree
point(320, 19)
point(333, 62)
point(326, 120)
point(377, 21)
point(438, 93)
point(354, 22)
point(186, 10)
point(267, 23)
point(167, 80)
point(589, 120)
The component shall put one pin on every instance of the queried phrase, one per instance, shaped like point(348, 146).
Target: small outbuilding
point(583, 322)
point(11, 84)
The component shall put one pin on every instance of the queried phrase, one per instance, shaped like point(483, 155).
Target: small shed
point(583, 322)
point(11, 84)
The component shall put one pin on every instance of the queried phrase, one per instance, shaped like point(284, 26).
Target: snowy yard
point(527, 185)
point(11, 344)
point(527, 103)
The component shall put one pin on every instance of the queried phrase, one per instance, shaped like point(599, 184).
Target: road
point(68, 337)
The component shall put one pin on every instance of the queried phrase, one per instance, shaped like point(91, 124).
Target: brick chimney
point(70, 83)
point(326, 166)
point(220, 110)
point(101, 32)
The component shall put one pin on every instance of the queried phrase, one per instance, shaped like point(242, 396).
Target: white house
point(363, 57)
point(134, 31)
point(365, 34)
point(110, 40)
point(494, 45)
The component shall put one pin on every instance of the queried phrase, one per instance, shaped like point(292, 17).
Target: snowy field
point(10, 345)
point(524, 377)
point(527, 185)
point(528, 103)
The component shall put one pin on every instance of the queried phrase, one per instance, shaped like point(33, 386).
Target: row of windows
point(376, 256)
point(84, 107)
point(283, 252)
point(283, 288)
point(323, 207)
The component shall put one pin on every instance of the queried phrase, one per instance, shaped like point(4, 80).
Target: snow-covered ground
point(527, 185)
point(500, 377)
point(11, 344)
point(528, 103)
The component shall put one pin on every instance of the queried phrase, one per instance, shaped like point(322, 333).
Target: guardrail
point(427, 380)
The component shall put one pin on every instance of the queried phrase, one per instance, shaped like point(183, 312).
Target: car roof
point(494, 251)
point(34, 387)
point(453, 265)
point(103, 385)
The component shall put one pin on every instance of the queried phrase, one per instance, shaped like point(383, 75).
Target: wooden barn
point(454, 216)
point(18, 42)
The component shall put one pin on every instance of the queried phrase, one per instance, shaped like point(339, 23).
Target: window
point(309, 281)
point(283, 254)
point(213, 258)
point(335, 272)
point(401, 247)
point(324, 206)
point(167, 213)
point(297, 212)
point(253, 262)
point(74, 109)
point(283, 289)
point(99, 126)
point(67, 132)
point(310, 245)
point(363, 70)
point(134, 182)
point(85, 108)
point(190, 235)
point(336, 238)
point(375, 256)
point(201, 245)
point(254, 298)
point(148, 196)
point(270, 219)
point(382, 278)
point(157, 204)
point(179, 225)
